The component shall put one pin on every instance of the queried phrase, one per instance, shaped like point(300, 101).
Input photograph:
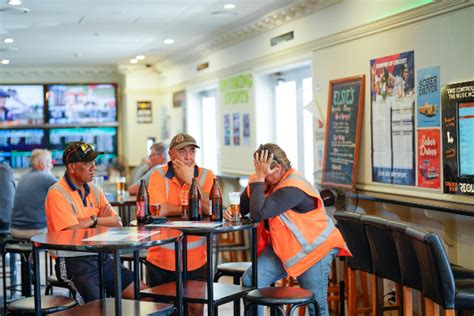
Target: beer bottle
point(143, 203)
point(215, 201)
point(194, 202)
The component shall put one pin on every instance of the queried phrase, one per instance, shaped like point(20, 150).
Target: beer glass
point(184, 199)
point(121, 185)
point(234, 199)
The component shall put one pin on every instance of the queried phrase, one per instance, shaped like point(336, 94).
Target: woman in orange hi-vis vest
point(303, 240)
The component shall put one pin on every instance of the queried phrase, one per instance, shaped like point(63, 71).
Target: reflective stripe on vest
point(298, 177)
point(190, 245)
point(167, 189)
point(305, 246)
point(67, 197)
point(202, 177)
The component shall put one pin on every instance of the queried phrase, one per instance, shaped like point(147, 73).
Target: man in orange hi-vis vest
point(303, 239)
point(76, 203)
point(166, 188)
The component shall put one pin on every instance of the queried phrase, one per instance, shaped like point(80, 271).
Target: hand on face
point(262, 162)
point(182, 171)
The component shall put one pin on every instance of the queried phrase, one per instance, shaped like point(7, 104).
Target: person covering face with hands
point(297, 238)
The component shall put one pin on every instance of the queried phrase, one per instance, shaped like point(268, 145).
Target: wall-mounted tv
point(104, 139)
point(82, 104)
point(16, 145)
point(21, 104)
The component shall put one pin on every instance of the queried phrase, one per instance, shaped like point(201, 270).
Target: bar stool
point(234, 270)
point(275, 297)
point(384, 261)
point(49, 304)
point(354, 234)
point(439, 285)
point(128, 257)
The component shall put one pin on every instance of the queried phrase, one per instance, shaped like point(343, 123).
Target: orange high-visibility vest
point(164, 256)
point(302, 239)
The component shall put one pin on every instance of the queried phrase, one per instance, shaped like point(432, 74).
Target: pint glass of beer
point(121, 185)
point(234, 199)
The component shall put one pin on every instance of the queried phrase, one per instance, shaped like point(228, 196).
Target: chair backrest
point(382, 248)
point(353, 232)
point(409, 267)
point(436, 274)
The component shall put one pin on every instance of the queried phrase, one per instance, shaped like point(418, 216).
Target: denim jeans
point(315, 279)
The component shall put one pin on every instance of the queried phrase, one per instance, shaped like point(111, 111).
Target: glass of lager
point(121, 185)
point(234, 200)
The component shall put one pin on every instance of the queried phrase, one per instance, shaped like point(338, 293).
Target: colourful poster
point(246, 129)
point(392, 118)
point(458, 142)
point(428, 97)
point(227, 129)
point(236, 128)
point(429, 158)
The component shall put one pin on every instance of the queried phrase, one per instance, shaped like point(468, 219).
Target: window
point(285, 115)
point(202, 125)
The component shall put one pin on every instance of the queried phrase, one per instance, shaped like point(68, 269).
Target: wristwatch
point(95, 220)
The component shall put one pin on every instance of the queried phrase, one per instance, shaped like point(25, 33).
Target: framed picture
point(343, 128)
point(144, 112)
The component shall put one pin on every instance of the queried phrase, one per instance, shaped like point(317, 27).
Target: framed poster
point(343, 128)
point(144, 112)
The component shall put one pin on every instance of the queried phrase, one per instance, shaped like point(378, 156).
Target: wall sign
point(458, 141)
point(144, 112)
point(343, 128)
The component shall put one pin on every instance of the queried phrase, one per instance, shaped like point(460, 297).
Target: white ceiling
point(108, 32)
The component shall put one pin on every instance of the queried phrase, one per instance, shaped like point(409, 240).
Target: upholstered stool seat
point(49, 304)
point(277, 296)
point(233, 269)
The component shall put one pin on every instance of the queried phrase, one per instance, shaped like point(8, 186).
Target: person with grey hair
point(156, 159)
point(28, 216)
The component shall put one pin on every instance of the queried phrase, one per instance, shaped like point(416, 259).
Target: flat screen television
point(82, 104)
point(16, 145)
point(104, 139)
point(21, 104)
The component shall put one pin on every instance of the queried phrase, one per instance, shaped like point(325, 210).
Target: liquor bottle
point(215, 201)
point(143, 203)
point(194, 202)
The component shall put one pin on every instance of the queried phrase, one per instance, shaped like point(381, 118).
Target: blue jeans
point(315, 279)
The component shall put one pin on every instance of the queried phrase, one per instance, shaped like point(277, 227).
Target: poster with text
point(144, 112)
point(236, 129)
point(227, 133)
point(458, 141)
point(428, 97)
point(246, 129)
point(429, 154)
point(392, 118)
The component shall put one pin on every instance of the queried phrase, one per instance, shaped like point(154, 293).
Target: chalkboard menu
point(343, 127)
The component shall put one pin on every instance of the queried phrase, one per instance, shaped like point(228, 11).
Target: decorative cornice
point(263, 24)
point(44, 74)
point(404, 18)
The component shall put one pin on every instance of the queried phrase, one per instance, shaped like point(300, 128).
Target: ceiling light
point(229, 6)
point(140, 57)
point(14, 2)
point(168, 41)
point(5, 61)
point(133, 61)
point(8, 40)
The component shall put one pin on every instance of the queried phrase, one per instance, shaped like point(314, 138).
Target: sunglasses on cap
point(263, 147)
point(79, 147)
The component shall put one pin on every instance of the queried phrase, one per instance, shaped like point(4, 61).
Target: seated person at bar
point(7, 194)
point(75, 203)
point(157, 158)
point(295, 217)
point(28, 215)
point(166, 185)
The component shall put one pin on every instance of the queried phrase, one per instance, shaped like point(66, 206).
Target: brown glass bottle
point(194, 202)
point(143, 203)
point(215, 201)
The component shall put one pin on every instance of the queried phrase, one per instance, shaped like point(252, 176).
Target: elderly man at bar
point(75, 203)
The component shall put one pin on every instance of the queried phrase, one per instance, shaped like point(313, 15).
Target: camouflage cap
point(182, 140)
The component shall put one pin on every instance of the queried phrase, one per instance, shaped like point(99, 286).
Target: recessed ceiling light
point(168, 41)
point(140, 57)
point(8, 40)
point(5, 61)
point(133, 61)
point(229, 6)
point(14, 2)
